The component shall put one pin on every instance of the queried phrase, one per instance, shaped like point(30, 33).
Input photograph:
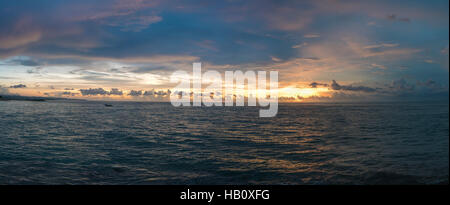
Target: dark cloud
point(66, 93)
point(149, 69)
point(117, 70)
point(126, 15)
point(394, 17)
point(160, 95)
point(34, 70)
point(101, 29)
point(100, 91)
point(431, 84)
point(18, 86)
point(94, 91)
point(17, 33)
point(336, 86)
point(399, 89)
point(61, 94)
point(115, 91)
point(401, 86)
point(157, 93)
point(149, 92)
point(163, 93)
point(135, 93)
point(421, 90)
point(26, 62)
point(316, 84)
point(314, 98)
point(134, 23)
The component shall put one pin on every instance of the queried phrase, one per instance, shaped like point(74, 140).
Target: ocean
point(85, 142)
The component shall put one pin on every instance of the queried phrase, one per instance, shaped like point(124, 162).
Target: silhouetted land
point(28, 98)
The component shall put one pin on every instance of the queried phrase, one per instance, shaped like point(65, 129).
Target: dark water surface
point(64, 142)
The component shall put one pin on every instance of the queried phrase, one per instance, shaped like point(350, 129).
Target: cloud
point(94, 39)
point(160, 95)
point(16, 35)
point(316, 84)
point(386, 45)
point(149, 92)
point(394, 17)
point(311, 36)
point(20, 33)
point(27, 62)
point(422, 90)
point(128, 15)
point(18, 86)
point(207, 45)
point(135, 93)
point(125, 59)
point(148, 69)
point(14, 41)
point(130, 22)
point(286, 18)
point(401, 86)
point(386, 50)
point(428, 83)
point(163, 93)
point(431, 89)
point(35, 70)
point(300, 45)
point(336, 86)
point(93, 91)
point(374, 65)
point(399, 89)
point(153, 92)
point(67, 93)
point(275, 59)
point(115, 91)
point(315, 98)
point(100, 91)
point(431, 85)
point(104, 77)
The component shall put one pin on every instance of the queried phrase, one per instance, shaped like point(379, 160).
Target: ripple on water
point(64, 142)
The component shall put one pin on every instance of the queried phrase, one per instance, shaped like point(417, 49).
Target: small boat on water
point(108, 105)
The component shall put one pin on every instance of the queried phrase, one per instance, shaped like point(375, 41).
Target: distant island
point(28, 98)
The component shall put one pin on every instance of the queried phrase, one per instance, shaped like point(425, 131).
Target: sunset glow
point(371, 50)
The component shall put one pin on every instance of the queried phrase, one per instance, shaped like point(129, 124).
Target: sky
point(326, 50)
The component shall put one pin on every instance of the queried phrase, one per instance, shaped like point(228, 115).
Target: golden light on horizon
point(286, 92)
point(302, 92)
